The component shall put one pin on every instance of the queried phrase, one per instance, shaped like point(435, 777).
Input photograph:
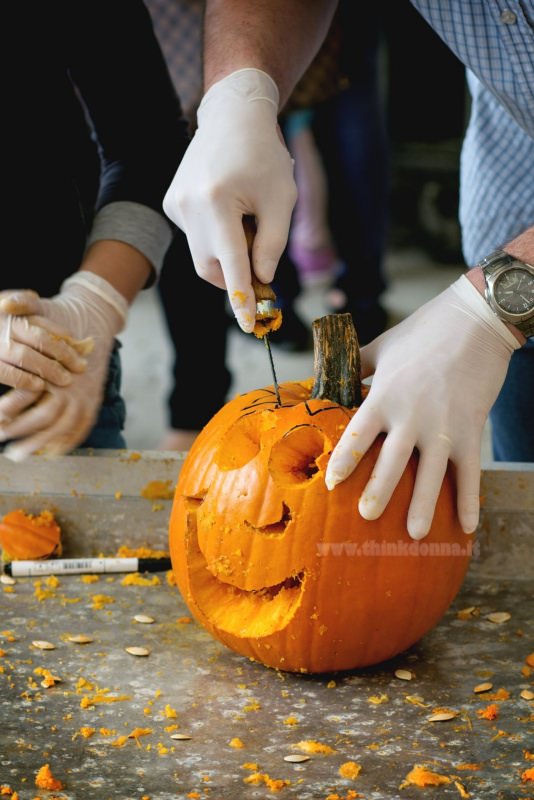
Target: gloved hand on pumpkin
point(435, 377)
point(82, 320)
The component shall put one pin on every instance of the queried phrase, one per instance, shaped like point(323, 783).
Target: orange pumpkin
point(280, 569)
point(29, 536)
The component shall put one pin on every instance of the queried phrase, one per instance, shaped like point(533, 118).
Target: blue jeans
point(107, 431)
point(512, 415)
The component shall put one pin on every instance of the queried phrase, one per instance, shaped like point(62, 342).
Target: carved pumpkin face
point(284, 571)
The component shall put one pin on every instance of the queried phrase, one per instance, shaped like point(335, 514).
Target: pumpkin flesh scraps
point(29, 536)
point(420, 776)
point(266, 323)
point(288, 573)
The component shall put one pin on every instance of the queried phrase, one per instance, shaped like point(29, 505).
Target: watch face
point(514, 291)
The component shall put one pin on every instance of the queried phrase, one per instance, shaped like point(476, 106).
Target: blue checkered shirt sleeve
point(495, 40)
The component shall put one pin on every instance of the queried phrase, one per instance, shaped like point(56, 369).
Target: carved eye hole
point(278, 527)
point(240, 444)
point(294, 458)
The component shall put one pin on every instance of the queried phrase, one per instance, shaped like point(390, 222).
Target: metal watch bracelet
point(493, 267)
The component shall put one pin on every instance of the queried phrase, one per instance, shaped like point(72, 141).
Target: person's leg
point(293, 336)
point(512, 416)
point(201, 378)
point(351, 135)
point(310, 240)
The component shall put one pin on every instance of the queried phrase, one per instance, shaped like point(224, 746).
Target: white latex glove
point(236, 164)
point(435, 377)
point(33, 354)
point(87, 308)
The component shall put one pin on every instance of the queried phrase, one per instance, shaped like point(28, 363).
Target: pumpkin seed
point(80, 638)
point(499, 616)
point(42, 645)
point(295, 758)
point(404, 674)
point(144, 619)
point(137, 651)
point(526, 694)
point(483, 687)
point(7, 579)
point(180, 736)
point(441, 716)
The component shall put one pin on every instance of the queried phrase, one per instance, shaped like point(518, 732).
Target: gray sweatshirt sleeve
point(134, 224)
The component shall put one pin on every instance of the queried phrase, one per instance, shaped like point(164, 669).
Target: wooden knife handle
point(262, 291)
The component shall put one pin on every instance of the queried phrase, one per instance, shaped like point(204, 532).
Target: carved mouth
point(248, 614)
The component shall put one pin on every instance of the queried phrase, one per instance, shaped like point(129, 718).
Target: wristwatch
point(510, 289)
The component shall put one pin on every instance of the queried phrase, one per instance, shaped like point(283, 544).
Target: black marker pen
point(73, 566)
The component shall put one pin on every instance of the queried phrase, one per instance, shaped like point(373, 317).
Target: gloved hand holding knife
point(268, 315)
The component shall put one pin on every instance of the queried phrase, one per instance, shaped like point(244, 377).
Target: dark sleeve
point(120, 73)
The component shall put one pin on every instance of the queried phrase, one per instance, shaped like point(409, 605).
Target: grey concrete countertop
point(105, 727)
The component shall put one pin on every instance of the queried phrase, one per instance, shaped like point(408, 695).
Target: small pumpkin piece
point(350, 769)
point(311, 746)
point(29, 536)
point(490, 712)
point(236, 742)
point(45, 780)
point(420, 776)
point(468, 613)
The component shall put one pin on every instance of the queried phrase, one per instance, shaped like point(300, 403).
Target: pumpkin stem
point(336, 361)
